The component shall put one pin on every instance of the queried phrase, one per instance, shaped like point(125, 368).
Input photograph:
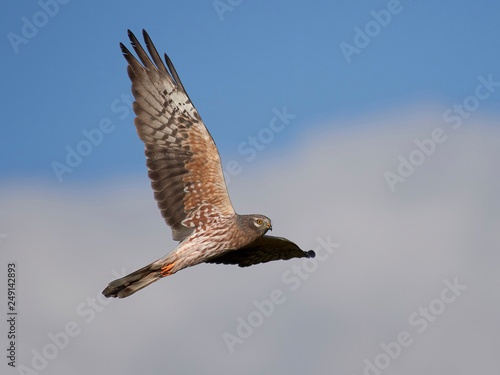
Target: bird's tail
point(139, 279)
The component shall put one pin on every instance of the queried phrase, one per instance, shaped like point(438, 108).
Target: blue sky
point(259, 56)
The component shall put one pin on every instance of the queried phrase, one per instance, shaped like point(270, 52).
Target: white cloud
point(397, 248)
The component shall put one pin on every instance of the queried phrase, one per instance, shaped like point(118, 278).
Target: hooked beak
point(269, 226)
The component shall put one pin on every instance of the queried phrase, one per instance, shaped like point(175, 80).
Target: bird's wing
point(183, 161)
point(264, 249)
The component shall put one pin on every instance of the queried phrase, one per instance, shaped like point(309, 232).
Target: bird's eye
point(259, 221)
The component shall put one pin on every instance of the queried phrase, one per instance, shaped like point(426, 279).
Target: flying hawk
point(186, 176)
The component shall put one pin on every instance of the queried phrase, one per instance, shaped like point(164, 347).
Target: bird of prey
point(186, 176)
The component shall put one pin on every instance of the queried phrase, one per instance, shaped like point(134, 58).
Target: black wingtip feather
point(131, 36)
point(124, 49)
point(174, 74)
point(133, 39)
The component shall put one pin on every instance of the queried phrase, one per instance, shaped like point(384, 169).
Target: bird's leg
point(165, 270)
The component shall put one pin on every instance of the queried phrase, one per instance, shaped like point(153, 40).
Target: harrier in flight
point(186, 176)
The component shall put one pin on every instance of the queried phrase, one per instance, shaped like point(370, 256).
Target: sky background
point(324, 176)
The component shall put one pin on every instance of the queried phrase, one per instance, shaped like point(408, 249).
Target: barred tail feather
point(133, 282)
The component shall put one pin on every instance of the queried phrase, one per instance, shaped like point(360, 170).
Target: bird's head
point(262, 222)
point(258, 223)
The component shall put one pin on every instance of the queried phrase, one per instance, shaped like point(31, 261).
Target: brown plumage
point(186, 176)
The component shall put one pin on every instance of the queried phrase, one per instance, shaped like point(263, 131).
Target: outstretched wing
point(183, 161)
point(264, 249)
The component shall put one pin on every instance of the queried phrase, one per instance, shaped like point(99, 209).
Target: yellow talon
point(165, 270)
